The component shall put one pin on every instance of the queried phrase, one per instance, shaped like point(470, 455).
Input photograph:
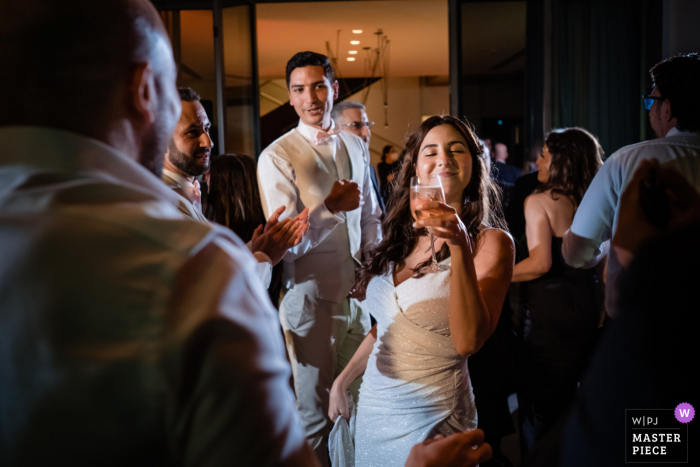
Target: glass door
point(239, 76)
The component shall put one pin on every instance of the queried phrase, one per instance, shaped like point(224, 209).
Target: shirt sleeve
point(230, 401)
point(277, 183)
point(593, 222)
point(264, 266)
point(370, 222)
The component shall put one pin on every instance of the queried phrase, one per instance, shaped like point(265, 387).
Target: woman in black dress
point(561, 306)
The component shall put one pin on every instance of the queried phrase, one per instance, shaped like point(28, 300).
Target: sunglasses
point(649, 101)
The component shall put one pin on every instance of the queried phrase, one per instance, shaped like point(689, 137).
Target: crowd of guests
point(160, 305)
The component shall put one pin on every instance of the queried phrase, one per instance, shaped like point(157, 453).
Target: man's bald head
point(69, 64)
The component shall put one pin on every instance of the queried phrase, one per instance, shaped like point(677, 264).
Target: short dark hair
point(188, 94)
point(302, 59)
point(677, 79)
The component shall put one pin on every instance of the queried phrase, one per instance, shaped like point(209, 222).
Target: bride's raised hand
point(444, 222)
point(338, 404)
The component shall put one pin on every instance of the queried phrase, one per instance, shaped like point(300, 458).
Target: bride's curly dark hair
point(481, 206)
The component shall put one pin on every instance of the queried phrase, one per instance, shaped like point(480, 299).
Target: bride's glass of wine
point(423, 190)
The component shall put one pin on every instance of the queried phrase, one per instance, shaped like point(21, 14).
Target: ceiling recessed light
point(357, 31)
point(350, 59)
point(354, 42)
point(352, 52)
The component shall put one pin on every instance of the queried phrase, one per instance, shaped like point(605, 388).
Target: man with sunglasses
point(351, 116)
point(674, 114)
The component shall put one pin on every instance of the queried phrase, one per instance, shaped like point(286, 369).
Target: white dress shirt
point(595, 222)
point(129, 335)
point(277, 179)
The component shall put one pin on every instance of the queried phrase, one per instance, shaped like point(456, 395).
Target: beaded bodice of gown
point(416, 384)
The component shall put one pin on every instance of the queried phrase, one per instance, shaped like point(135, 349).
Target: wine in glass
point(423, 190)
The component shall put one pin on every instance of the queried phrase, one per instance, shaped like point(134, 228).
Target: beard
point(188, 164)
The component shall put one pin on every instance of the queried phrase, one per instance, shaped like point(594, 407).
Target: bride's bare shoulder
point(496, 242)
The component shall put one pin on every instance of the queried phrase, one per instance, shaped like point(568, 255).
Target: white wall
point(434, 100)
point(408, 102)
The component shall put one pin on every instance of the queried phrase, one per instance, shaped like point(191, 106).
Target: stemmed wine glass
point(423, 190)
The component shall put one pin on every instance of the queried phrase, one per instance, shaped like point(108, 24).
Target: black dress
point(559, 319)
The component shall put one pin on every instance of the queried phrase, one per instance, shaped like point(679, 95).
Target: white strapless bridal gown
point(416, 384)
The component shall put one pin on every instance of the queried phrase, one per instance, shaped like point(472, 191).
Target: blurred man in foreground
point(129, 334)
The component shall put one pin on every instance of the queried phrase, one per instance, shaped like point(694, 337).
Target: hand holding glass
point(423, 190)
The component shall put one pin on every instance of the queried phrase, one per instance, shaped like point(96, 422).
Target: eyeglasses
point(359, 125)
point(649, 101)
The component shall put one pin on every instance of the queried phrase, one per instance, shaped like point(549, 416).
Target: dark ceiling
point(207, 4)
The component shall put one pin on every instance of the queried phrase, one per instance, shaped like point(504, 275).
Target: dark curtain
point(534, 73)
point(597, 61)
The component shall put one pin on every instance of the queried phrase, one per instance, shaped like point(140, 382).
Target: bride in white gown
point(414, 361)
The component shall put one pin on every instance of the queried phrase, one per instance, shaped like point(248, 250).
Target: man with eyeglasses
point(351, 116)
point(674, 114)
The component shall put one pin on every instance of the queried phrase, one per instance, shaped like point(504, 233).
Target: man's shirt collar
point(676, 132)
point(179, 179)
point(49, 149)
point(310, 132)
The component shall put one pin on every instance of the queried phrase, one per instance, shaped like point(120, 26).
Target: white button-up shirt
point(129, 335)
point(279, 181)
point(595, 222)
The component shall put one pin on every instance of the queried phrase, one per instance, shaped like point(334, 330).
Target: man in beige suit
point(318, 167)
point(188, 156)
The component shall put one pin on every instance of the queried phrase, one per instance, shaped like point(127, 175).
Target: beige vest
point(327, 271)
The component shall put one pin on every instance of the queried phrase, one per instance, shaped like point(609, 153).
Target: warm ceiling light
point(357, 31)
point(352, 52)
point(350, 59)
point(354, 42)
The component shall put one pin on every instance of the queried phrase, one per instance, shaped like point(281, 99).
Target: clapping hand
point(634, 228)
point(276, 237)
point(444, 223)
point(459, 450)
